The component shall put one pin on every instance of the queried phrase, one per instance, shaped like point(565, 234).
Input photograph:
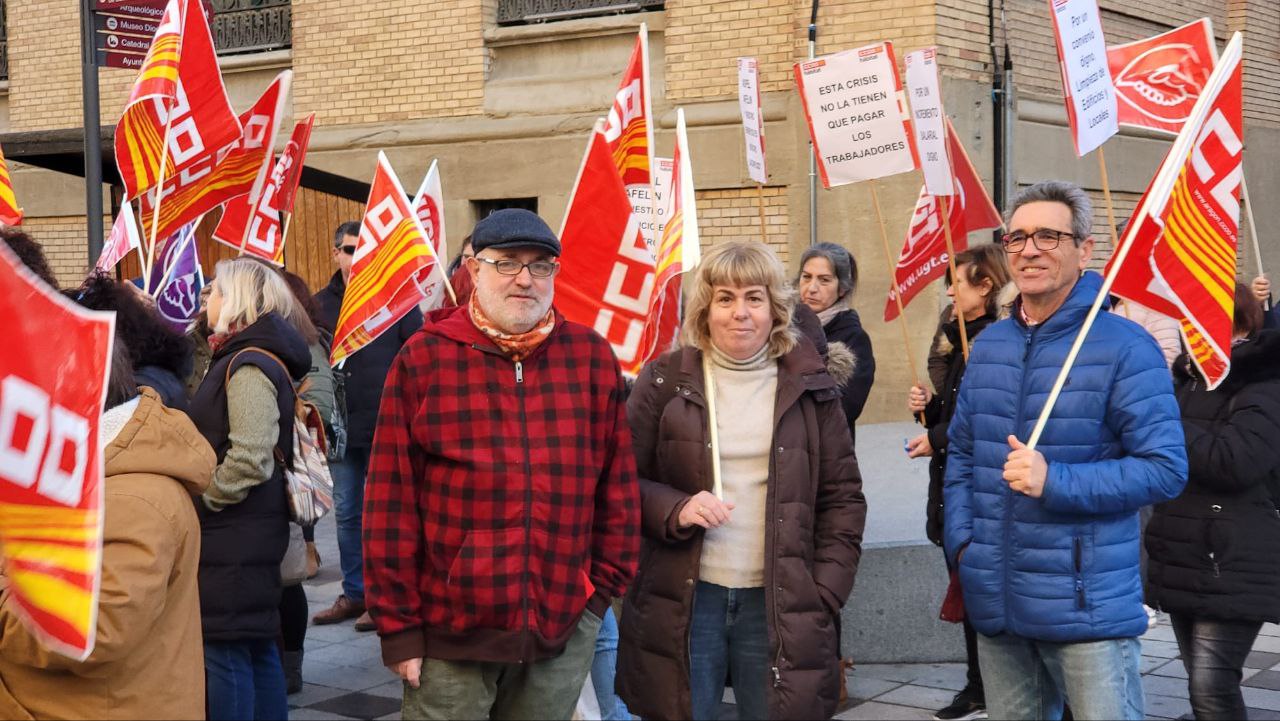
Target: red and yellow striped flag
point(629, 127)
point(1182, 256)
point(392, 252)
point(10, 213)
point(679, 250)
point(178, 97)
point(52, 386)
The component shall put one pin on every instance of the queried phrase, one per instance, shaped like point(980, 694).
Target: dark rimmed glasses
point(1045, 239)
point(537, 269)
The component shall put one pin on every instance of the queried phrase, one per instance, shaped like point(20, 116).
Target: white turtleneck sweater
point(733, 554)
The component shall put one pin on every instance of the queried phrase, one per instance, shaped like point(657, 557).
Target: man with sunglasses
point(1046, 540)
point(362, 376)
point(502, 509)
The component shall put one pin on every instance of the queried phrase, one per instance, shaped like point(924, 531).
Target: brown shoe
point(341, 610)
point(365, 623)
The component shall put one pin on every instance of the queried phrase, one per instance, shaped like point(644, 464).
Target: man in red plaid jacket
point(502, 506)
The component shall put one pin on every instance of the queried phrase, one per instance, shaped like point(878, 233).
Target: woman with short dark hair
point(1214, 565)
point(827, 280)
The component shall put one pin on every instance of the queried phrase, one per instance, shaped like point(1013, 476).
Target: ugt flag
point(607, 274)
point(428, 205)
point(124, 238)
point(53, 382)
point(175, 280)
point(924, 255)
point(1181, 245)
point(1158, 80)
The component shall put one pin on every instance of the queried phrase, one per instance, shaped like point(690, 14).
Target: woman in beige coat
point(148, 659)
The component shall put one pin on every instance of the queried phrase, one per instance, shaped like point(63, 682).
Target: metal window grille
point(517, 12)
point(251, 26)
point(4, 43)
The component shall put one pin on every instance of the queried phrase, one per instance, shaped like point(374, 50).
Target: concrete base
point(892, 616)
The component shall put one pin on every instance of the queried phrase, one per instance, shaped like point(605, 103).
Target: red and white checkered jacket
point(501, 497)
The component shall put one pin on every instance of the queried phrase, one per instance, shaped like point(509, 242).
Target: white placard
point(652, 207)
point(1086, 78)
point(752, 118)
point(926, 117)
point(857, 115)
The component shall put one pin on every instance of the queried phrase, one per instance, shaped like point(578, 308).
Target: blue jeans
point(729, 633)
point(244, 680)
point(1213, 653)
point(348, 510)
point(1027, 679)
point(604, 669)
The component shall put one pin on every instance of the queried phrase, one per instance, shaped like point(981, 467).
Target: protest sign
point(1086, 75)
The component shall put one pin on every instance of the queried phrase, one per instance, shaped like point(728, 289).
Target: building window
point(520, 12)
point(485, 208)
point(252, 26)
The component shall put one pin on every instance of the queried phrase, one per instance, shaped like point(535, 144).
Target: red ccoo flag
point(1182, 241)
point(393, 251)
point(607, 273)
point(924, 255)
point(629, 128)
point(238, 168)
point(179, 88)
point(299, 141)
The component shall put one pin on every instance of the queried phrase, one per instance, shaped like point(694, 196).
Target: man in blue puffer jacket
point(1047, 539)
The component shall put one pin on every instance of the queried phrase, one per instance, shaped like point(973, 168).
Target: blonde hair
point(739, 264)
point(250, 289)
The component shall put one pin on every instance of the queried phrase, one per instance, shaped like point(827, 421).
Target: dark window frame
point(527, 12)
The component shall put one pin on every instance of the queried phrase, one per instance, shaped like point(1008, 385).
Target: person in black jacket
point(1215, 550)
point(361, 375)
point(981, 273)
point(828, 277)
point(244, 408)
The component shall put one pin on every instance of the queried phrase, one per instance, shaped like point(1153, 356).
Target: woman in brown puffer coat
point(750, 583)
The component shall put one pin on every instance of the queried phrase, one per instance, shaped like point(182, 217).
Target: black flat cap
point(514, 228)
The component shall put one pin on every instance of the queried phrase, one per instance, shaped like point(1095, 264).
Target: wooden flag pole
point(893, 282)
point(284, 235)
point(155, 209)
point(1253, 229)
point(1117, 262)
point(951, 261)
point(717, 485)
point(764, 235)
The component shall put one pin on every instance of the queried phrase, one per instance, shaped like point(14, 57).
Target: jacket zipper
point(1010, 496)
point(528, 512)
point(1079, 574)
point(771, 504)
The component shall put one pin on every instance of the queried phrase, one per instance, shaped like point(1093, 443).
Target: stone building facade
point(506, 108)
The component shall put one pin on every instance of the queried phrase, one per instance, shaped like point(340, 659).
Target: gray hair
point(842, 263)
point(351, 227)
point(1070, 195)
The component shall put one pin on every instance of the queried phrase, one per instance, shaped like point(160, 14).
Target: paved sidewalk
point(345, 678)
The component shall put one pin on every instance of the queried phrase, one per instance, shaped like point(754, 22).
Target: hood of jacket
point(161, 441)
point(1253, 361)
point(274, 334)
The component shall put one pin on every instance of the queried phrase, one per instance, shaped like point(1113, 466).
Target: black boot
point(292, 671)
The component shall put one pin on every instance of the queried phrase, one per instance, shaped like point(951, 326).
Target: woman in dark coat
point(981, 273)
point(1215, 550)
point(752, 581)
point(244, 408)
point(828, 277)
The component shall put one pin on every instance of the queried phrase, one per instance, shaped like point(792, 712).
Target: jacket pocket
point(1077, 562)
point(486, 579)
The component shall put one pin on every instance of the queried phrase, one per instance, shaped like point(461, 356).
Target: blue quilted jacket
point(1062, 567)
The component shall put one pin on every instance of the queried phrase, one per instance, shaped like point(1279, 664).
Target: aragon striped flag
point(392, 252)
point(629, 127)
point(179, 95)
point(10, 213)
point(1182, 255)
point(679, 251)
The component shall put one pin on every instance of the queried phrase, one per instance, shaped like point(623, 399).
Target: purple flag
point(177, 292)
